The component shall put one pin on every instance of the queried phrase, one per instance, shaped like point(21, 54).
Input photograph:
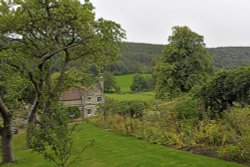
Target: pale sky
point(221, 22)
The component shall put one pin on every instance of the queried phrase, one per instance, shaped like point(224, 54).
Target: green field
point(124, 81)
point(132, 96)
point(113, 150)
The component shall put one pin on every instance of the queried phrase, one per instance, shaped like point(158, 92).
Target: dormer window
point(99, 99)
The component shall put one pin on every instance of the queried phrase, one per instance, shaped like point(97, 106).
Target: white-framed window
point(99, 99)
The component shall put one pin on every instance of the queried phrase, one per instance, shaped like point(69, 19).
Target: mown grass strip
point(113, 150)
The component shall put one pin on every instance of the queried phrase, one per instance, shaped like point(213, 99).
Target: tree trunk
point(6, 140)
point(6, 135)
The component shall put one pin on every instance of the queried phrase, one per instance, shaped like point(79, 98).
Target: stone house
point(86, 98)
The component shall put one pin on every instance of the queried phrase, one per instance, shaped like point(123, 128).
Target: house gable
point(86, 99)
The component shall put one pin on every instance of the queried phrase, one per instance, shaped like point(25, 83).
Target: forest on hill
point(137, 57)
point(228, 57)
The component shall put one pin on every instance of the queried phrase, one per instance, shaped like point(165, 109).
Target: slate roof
point(77, 93)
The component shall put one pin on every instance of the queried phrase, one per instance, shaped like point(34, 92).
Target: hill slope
point(137, 57)
point(227, 57)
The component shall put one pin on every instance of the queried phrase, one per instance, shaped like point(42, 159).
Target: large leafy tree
point(185, 62)
point(37, 35)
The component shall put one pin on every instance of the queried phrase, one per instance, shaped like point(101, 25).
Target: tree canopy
point(185, 62)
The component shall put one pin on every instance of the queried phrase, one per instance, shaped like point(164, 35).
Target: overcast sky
point(221, 22)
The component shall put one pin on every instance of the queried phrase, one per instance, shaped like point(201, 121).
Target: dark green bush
point(225, 89)
point(72, 112)
point(139, 83)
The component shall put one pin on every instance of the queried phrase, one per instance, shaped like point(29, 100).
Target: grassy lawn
point(132, 96)
point(113, 150)
point(124, 81)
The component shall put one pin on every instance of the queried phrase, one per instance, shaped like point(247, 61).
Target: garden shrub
point(230, 152)
point(72, 112)
point(239, 120)
point(109, 107)
point(210, 133)
point(187, 108)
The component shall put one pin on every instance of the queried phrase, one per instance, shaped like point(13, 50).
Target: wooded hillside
point(231, 56)
point(137, 57)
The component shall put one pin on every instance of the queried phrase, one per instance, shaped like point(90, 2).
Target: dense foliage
point(184, 63)
point(72, 112)
point(226, 88)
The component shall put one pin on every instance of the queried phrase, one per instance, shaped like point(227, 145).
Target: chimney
point(101, 82)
